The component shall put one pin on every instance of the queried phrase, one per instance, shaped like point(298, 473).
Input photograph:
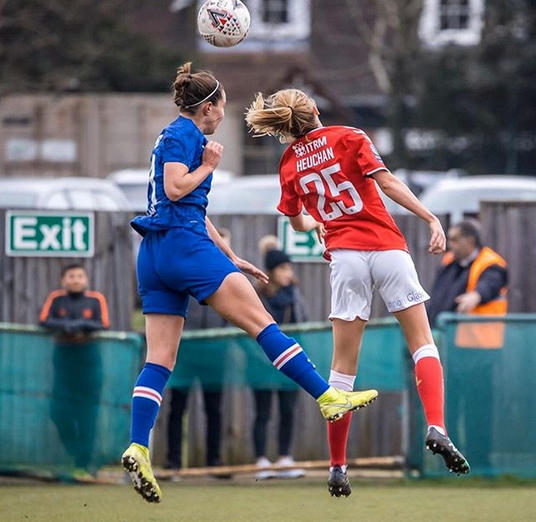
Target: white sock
point(428, 350)
point(341, 381)
point(438, 428)
point(344, 468)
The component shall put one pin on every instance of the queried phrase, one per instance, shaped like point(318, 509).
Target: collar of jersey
point(191, 122)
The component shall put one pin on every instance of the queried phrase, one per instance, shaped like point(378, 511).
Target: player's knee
point(257, 322)
point(167, 360)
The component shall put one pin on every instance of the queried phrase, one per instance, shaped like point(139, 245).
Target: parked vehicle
point(133, 183)
point(420, 180)
point(259, 195)
point(461, 197)
point(71, 193)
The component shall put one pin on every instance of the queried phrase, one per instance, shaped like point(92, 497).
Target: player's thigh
point(415, 326)
point(237, 301)
point(351, 285)
point(163, 333)
point(157, 296)
point(396, 279)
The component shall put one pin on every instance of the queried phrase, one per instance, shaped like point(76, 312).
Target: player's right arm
point(291, 205)
point(304, 223)
point(179, 181)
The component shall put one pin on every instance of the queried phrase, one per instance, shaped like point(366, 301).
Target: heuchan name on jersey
point(308, 160)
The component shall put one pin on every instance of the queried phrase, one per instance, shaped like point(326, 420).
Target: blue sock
point(289, 358)
point(146, 400)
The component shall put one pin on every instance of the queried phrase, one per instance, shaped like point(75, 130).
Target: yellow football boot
point(136, 461)
point(335, 403)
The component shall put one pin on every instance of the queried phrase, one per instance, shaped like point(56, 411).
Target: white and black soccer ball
point(223, 23)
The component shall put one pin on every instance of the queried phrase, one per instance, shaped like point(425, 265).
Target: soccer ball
point(223, 23)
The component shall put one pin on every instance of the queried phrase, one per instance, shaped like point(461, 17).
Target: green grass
point(296, 501)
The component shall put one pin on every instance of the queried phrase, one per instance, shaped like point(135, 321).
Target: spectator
point(472, 280)
point(284, 301)
point(73, 313)
point(199, 317)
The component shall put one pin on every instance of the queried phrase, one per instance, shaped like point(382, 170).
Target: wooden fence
point(507, 227)
point(510, 229)
point(26, 281)
point(314, 277)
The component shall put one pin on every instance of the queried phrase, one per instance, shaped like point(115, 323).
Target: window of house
point(272, 19)
point(452, 21)
point(454, 14)
point(275, 11)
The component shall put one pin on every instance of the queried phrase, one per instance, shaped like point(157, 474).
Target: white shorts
point(355, 274)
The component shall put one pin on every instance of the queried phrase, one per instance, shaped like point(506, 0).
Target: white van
point(133, 183)
point(461, 197)
point(259, 195)
point(67, 193)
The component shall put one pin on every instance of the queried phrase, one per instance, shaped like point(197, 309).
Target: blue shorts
point(177, 263)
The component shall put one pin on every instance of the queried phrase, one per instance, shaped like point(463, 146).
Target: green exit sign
point(49, 234)
point(300, 246)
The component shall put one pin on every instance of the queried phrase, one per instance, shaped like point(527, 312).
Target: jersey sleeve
point(49, 308)
point(100, 308)
point(176, 150)
point(290, 203)
point(368, 157)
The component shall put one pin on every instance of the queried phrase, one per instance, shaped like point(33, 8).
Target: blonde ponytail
point(286, 115)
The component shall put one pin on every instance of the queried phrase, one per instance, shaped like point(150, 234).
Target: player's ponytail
point(286, 115)
point(190, 90)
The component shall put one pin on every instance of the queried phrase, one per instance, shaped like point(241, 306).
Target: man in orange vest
point(472, 280)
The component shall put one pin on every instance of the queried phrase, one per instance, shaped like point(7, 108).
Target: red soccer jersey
point(329, 172)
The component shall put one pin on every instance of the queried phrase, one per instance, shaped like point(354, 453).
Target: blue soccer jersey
point(181, 141)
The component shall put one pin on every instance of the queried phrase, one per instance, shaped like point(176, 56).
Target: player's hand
point(212, 154)
point(320, 230)
point(251, 269)
point(438, 241)
point(467, 302)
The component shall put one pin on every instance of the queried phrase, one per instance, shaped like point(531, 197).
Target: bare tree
point(389, 29)
point(71, 45)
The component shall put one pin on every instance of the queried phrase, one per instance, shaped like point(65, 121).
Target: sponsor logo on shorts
point(411, 297)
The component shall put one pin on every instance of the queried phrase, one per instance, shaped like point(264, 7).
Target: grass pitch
point(290, 501)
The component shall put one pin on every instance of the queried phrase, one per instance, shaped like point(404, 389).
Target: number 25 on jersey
point(316, 183)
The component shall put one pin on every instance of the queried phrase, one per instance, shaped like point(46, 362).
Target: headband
point(204, 99)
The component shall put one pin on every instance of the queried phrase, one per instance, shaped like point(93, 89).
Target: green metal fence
point(225, 357)
point(490, 398)
point(62, 406)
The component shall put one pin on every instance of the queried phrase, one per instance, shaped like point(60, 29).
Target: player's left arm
point(242, 264)
point(400, 193)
